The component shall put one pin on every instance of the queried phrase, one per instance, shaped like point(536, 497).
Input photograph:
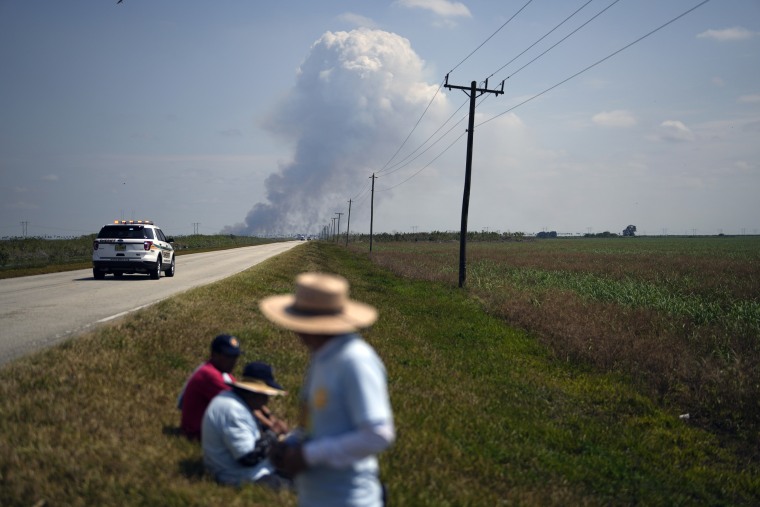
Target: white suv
point(132, 246)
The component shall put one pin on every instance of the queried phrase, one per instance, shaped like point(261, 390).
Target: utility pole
point(348, 224)
point(24, 225)
point(473, 92)
point(371, 212)
point(337, 235)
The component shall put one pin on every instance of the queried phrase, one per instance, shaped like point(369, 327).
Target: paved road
point(38, 311)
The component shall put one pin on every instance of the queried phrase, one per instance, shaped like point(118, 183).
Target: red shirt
point(205, 383)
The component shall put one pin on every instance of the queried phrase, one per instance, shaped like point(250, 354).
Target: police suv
point(132, 246)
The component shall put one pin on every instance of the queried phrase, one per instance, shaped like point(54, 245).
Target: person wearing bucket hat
point(347, 415)
point(208, 380)
point(235, 443)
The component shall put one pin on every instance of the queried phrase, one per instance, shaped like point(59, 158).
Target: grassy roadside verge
point(484, 417)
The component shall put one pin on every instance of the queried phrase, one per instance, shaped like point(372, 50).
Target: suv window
point(160, 235)
point(115, 231)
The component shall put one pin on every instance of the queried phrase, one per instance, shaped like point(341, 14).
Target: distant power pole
point(196, 227)
point(337, 235)
point(24, 225)
point(332, 235)
point(473, 92)
point(348, 224)
point(371, 211)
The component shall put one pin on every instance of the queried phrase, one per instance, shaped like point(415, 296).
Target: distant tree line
point(437, 236)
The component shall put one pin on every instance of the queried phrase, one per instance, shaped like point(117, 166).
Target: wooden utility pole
point(337, 234)
point(371, 212)
point(473, 92)
point(348, 224)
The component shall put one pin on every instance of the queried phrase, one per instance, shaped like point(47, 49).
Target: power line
point(399, 164)
point(542, 38)
point(441, 85)
point(429, 138)
point(490, 36)
point(404, 163)
point(413, 128)
point(425, 166)
point(597, 62)
point(564, 38)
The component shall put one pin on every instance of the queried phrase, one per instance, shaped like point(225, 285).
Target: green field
point(540, 384)
point(680, 317)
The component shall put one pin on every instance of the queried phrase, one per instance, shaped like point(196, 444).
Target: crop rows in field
point(679, 316)
point(667, 297)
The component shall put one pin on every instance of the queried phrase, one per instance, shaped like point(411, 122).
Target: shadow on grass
point(172, 431)
point(191, 468)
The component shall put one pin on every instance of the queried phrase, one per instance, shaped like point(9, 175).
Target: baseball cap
point(226, 344)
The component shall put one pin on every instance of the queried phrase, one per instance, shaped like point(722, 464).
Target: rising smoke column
point(355, 99)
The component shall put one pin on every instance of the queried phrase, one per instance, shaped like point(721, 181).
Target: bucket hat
point(320, 305)
point(258, 377)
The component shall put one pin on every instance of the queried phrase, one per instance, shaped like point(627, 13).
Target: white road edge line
point(116, 316)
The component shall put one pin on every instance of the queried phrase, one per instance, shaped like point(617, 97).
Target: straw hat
point(258, 377)
point(319, 306)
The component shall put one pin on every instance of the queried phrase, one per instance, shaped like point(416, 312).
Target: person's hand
point(279, 426)
point(288, 459)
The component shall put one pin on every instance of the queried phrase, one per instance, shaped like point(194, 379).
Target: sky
point(271, 118)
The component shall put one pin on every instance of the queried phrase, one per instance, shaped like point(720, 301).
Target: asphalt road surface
point(41, 310)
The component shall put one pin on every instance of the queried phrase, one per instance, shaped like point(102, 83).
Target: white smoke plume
point(356, 97)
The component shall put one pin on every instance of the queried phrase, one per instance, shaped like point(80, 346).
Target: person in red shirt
point(208, 380)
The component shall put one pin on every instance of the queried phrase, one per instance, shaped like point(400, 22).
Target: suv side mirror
point(169, 239)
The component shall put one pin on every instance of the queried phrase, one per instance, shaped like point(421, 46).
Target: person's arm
point(258, 453)
point(336, 452)
point(341, 451)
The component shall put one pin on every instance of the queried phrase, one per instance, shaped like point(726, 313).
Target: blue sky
point(268, 117)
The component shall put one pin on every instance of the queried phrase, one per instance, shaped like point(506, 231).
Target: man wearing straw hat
point(235, 445)
point(348, 418)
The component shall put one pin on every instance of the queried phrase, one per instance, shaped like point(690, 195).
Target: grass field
point(486, 414)
point(680, 317)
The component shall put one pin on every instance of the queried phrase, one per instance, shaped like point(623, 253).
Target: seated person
point(208, 380)
point(235, 443)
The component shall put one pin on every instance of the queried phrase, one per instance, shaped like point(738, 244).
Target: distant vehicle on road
point(132, 246)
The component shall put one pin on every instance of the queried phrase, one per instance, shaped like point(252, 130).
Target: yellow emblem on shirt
point(320, 398)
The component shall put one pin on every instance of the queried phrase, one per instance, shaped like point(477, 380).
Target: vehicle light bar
point(133, 222)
